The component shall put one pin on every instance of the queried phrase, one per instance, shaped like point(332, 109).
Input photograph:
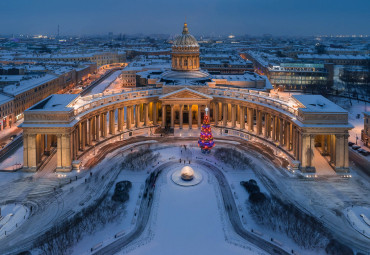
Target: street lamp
point(356, 139)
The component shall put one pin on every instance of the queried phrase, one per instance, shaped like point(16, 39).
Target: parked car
point(12, 137)
point(356, 147)
point(366, 153)
point(363, 152)
point(350, 143)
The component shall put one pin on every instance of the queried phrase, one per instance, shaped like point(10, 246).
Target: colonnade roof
point(55, 102)
point(317, 103)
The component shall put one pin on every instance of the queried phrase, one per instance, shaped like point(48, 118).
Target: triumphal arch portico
point(68, 125)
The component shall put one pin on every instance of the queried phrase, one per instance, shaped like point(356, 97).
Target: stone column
point(155, 113)
point(341, 153)
point(286, 134)
point(181, 115)
point(112, 128)
point(48, 144)
point(137, 116)
point(88, 133)
point(250, 116)
point(238, 114)
point(267, 116)
point(119, 119)
point(66, 151)
point(216, 113)
point(74, 144)
point(242, 117)
point(129, 117)
point(259, 122)
point(331, 147)
point(190, 116)
point(163, 116)
point(32, 151)
point(93, 131)
point(296, 143)
point(97, 128)
point(25, 150)
point(59, 151)
point(83, 135)
point(307, 152)
point(224, 114)
point(199, 116)
point(281, 137)
point(146, 114)
point(299, 145)
point(273, 135)
point(291, 134)
point(172, 116)
point(345, 147)
point(233, 115)
point(79, 135)
point(105, 130)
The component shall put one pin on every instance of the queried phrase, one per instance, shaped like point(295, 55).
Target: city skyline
point(163, 17)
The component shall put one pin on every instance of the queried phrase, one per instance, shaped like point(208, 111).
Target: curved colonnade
point(84, 121)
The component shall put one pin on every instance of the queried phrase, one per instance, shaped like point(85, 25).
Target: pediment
point(185, 94)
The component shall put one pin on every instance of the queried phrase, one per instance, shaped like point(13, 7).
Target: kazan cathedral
point(305, 128)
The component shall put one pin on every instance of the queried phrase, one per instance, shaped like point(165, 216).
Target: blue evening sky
point(205, 17)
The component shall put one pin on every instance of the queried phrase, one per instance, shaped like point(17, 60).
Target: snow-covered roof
point(5, 99)
point(318, 103)
point(28, 84)
point(55, 102)
point(239, 77)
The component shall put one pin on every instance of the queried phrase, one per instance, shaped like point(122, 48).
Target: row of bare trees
point(139, 160)
point(232, 157)
point(60, 238)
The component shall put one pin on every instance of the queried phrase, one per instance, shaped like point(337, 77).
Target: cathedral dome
point(185, 39)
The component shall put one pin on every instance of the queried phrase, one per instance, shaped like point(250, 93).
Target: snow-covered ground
point(12, 216)
point(354, 108)
point(234, 177)
point(187, 220)
point(187, 217)
point(106, 234)
point(359, 218)
point(115, 85)
point(104, 84)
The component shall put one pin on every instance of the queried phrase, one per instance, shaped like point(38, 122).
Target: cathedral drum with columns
point(185, 52)
point(304, 127)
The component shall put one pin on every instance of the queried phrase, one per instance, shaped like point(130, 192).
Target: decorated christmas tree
point(205, 141)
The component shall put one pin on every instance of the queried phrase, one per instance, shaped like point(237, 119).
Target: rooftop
point(28, 84)
point(55, 102)
point(317, 103)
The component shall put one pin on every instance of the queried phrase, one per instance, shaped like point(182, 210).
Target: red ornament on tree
point(205, 141)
